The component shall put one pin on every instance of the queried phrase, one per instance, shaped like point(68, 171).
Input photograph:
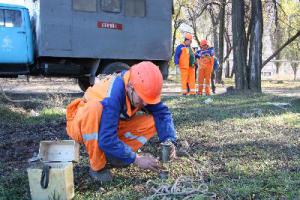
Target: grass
point(247, 148)
point(252, 148)
point(14, 186)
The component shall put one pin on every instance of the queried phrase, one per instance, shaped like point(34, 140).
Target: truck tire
point(115, 67)
point(84, 83)
point(111, 68)
point(164, 68)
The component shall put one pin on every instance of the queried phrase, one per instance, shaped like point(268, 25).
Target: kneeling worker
point(106, 121)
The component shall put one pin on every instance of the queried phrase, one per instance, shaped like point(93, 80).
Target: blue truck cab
point(16, 39)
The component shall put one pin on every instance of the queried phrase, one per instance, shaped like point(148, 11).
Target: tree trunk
point(195, 30)
point(255, 52)
point(227, 70)
point(277, 45)
point(215, 31)
point(221, 40)
point(276, 38)
point(295, 69)
point(228, 51)
point(232, 71)
point(278, 65)
point(174, 40)
point(216, 41)
point(239, 50)
point(177, 24)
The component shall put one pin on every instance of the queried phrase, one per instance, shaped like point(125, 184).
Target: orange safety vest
point(184, 60)
point(207, 61)
point(84, 114)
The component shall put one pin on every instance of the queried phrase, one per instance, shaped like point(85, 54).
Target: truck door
point(13, 41)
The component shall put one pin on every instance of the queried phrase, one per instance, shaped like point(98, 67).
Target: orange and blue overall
point(182, 58)
point(205, 59)
point(104, 121)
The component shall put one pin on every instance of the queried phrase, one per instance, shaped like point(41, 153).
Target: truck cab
point(16, 42)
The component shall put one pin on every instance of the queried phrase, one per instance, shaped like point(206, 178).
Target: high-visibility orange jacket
point(182, 56)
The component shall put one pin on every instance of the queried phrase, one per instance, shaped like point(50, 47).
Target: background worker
point(182, 59)
point(214, 74)
point(205, 60)
point(105, 120)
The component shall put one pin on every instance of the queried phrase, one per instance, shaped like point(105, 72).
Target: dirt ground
point(37, 85)
point(42, 86)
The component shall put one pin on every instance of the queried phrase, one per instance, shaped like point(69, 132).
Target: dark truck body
point(82, 38)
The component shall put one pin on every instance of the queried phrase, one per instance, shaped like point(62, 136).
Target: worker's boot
point(102, 176)
point(213, 89)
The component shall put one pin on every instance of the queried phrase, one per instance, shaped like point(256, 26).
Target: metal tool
point(164, 174)
point(165, 151)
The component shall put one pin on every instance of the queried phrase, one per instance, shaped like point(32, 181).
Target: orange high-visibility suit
point(205, 68)
point(182, 58)
point(104, 121)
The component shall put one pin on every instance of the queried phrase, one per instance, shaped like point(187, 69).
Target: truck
point(83, 38)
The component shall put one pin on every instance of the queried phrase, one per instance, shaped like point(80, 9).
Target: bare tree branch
point(281, 48)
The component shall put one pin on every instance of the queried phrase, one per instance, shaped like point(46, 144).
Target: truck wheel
point(115, 67)
point(164, 68)
point(84, 83)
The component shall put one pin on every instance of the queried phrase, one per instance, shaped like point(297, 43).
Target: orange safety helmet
point(188, 36)
point(147, 81)
point(203, 43)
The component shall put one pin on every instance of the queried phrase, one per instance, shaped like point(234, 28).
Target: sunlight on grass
point(247, 148)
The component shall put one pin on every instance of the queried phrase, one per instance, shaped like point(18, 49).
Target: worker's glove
point(147, 162)
point(176, 66)
point(173, 152)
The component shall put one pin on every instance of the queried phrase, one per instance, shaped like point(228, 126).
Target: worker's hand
point(147, 162)
point(176, 66)
point(173, 152)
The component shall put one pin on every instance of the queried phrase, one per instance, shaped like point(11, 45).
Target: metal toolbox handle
point(45, 176)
